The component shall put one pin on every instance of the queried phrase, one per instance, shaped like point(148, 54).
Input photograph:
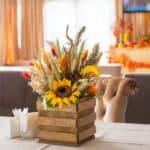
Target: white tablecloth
point(111, 136)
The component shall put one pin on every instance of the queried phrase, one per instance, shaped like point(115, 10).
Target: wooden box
point(71, 125)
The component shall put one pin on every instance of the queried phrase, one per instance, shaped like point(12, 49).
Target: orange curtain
point(9, 19)
point(32, 29)
point(1, 29)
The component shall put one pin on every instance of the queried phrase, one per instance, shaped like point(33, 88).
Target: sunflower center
point(63, 92)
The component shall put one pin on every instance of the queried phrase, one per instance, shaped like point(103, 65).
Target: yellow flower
point(73, 99)
point(57, 101)
point(74, 86)
point(66, 101)
point(61, 83)
point(76, 93)
point(49, 95)
point(62, 93)
point(90, 70)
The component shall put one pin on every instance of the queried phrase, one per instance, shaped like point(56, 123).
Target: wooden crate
point(71, 125)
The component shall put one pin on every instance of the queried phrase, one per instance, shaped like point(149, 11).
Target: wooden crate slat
point(59, 114)
point(58, 129)
point(86, 119)
point(57, 136)
point(72, 130)
point(62, 122)
point(70, 125)
point(87, 133)
point(90, 103)
point(59, 142)
point(65, 143)
point(70, 115)
point(85, 112)
point(65, 108)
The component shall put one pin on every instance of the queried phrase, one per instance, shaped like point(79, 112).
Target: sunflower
point(63, 92)
point(90, 70)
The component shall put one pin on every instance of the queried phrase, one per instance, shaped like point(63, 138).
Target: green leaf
point(83, 86)
point(48, 104)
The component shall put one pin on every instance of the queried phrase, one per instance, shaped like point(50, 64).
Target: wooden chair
point(112, 106)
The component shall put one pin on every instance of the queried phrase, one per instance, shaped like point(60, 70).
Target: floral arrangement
point(64, 75)
point(123, 32)
point(125, 43)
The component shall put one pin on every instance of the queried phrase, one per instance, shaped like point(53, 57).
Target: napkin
point(27, 122)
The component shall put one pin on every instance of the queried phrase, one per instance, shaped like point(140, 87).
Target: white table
point(112, 136)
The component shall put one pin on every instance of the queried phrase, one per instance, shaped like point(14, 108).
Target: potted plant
point(65, 79)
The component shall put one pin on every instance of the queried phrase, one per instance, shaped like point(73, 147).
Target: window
point(96, 15)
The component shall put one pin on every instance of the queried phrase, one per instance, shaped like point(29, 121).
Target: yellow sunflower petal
point(49, 95)
point(90, 69)
point(54, 102)
point(66, 82)
point(74, 86)
point(66, 101)
point(76, 93)
point(73, 99)
point(57, 101)
point(60, 102)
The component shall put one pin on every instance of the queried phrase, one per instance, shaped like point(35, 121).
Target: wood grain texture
point(70, 115)
point(62, 122)
point(87, 133)
point(65, 129)
point(86, 120)
point(57, 136)
point(86, 105)
point(69, 125)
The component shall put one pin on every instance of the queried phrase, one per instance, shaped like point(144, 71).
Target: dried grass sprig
point(68, 37)
point(92, 59)
point(54, 68)
point(78, 37)
point(77, 66)
point(58, 48)
point(39, 76)
point(99, 57)
point(38, 87)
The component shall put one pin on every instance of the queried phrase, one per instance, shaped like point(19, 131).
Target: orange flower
point(63, 61)
point(84, 56)
point(92, 90)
